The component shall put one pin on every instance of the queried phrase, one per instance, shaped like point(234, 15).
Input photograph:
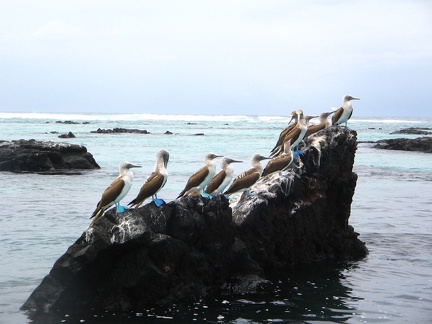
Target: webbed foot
point(298, 153)
point(158, 202)
point(121, 209)
point(206, 195)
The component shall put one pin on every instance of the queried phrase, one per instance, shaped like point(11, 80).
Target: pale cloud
point(170, 55)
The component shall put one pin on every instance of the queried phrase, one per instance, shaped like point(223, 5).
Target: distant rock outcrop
point(194, 247)
point(120, 131)
point(69, 122)
point(414, 131)
point(68, 135)
point(422, 144)
point(36, 156)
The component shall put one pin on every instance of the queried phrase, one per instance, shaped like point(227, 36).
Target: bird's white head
point(127, 165)
point(226, 161)
point(163, 155)
point(211, 156)
point(258, 157)
point(349, 98)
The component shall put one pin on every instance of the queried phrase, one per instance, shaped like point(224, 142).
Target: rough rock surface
point(36, 156)
point(194, 247)
point(422, 144)
point(120, 131)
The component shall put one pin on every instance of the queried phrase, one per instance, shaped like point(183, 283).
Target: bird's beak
point(355, 98)
point(135, 166)
point(329, 113)
point(265, 158)
point(236, 161)
point(292, 117)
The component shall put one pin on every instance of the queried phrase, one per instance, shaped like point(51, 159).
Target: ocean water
point(42, 215)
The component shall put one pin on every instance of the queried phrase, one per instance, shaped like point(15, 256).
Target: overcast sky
point(216, 57)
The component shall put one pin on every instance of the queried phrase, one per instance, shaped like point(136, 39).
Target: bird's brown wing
point(337, 114)
point(215, 182)
point(293, 134)
point(149, 188)
point(277, 164)
point(281, 137)
point(313, 129)
point(195, 180)
point(243, 181)
point(109, 195)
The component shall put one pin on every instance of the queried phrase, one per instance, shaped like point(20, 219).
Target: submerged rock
point(195, 247)
point(36, 156)
point(69, 122)
point(422, 144)
point(120, 131)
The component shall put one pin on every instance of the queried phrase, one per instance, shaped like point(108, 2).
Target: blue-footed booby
point(324, 123)
point(344, 113)
point(116, 191)
point(221, 180)
point(280, 162)
point(199, 180)
point(155, 182)
point(245, 180)
point(296, 135)
point(282, 134)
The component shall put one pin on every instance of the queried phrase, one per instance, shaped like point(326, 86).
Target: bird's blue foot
point(298, 153)
point(206, 195)
point(248, 193)
point(158, 202)
point(121, 209)
point(348, 128)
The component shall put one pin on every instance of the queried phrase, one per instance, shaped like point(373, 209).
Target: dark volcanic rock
point(68, 135)
point(301, 216)
point(120, 131)
point(69, 122)
point(194, 247)
point(414, 131)
point(35, 156)
point(422, 144)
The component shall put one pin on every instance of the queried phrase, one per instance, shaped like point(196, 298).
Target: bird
point(324, 123)
point(155, 182)
point(199, 180)
point(296, 135)
point(116, 191)
point(223, 178)
point(344, 113)
point(245, 180)
point(282, 135)
point(280, 162)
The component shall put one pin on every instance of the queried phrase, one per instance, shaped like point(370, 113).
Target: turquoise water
point(42, 215)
